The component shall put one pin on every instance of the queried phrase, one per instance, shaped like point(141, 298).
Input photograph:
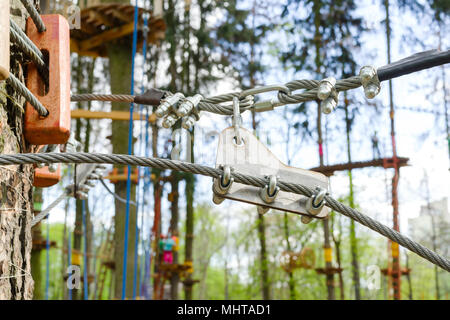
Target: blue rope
point(130, 150)
point(47, 271)
point(69, 260)
point(136, 242)
point(85, 266)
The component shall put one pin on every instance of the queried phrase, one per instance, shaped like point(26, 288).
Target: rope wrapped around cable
point(158, 163)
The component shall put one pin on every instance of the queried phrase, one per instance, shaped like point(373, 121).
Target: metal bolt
point(81, 195)
point(93, 176)
point(169, 120)
point(217, 199)
point(329, 104)
point(188, 122)
point(52, 167)
point(262, 209)
point(326, 86)
point(371, 90)
point(367, 73)
point(188, 104)
point(167, 104)
point(306, 219)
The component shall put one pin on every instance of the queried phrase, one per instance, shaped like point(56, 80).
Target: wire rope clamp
point(188, 104)
point(370, 81)
point(169, 120)
point(55, 45)
point(222, 185)
point(167, 104)
point(4, 40)
point(268, 193)
point(189, 121)
point(315, 203)
point(327, 92)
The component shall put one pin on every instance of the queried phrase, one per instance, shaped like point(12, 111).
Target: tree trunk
point(36, 270)
point(396, 272)
point(291, 282)
point(353, 240)
point(175, 279)
point(16, 210)
point(189, 242)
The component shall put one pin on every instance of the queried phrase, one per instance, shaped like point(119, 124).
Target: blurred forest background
point(213, 47)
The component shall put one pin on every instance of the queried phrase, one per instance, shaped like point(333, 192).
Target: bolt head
point(217, 199)
point(262, 209)
point(306, 219)
point(371, 91)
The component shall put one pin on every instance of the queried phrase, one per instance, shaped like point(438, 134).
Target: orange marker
point(44, 178)
point(54, 43)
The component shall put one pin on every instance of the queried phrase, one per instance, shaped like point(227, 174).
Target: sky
point(420, 136)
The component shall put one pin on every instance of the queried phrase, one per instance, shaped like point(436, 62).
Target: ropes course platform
point(112, 115)
point(104, 23)
point(328, 270)
point(390, 271)
point(41, 244)
point(382, 162)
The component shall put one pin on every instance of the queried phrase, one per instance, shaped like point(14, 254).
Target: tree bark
point(16, 211)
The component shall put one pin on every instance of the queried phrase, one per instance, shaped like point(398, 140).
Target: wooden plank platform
point(104, 24)
point(113, 115)
point(382, 162)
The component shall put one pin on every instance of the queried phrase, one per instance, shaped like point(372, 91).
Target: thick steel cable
point(26, 158)
point(44, 213)
point(34, 14)
point(24, 38)
point(22, 90)
point(102, 97)
point(31, 54)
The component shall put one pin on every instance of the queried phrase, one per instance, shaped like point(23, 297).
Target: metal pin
point(326, 87)
point(188, 104)
point(167, 103)
point(169, 120)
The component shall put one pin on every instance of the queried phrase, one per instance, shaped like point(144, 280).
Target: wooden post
point(4, 40)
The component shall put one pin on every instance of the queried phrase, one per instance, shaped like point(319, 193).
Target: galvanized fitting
point(222, 185)
point(81, 195)
point(189, 121)
point(270, 190)
point(315, 203)
point(263, 106)
point(330, 103)
point(93, 176)
point(326, 87)
point(306, 219)
point(237, 121)
point(188, 104)
point(169, 120)
point(167, 104)
point(89, 183)
point(369, 81)
point(52, 167)
point(262, 209)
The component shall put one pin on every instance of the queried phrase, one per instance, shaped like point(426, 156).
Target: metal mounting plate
point(253, 158)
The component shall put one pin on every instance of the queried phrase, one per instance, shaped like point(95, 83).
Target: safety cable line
point(18, 86)
point(44, 213)
point(413, 63)
point(34, 14)
point(158, 163)
point(30, 44)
